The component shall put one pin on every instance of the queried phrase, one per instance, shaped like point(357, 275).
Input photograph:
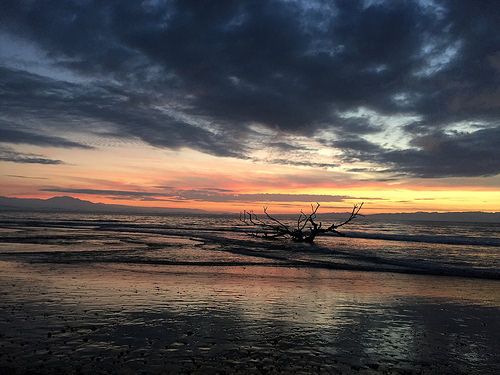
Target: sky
point(231, 105)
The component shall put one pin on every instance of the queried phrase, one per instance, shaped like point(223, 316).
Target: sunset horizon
point(401, 118)
point(250, 185)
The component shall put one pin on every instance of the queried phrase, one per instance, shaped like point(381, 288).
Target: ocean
point(435, 248)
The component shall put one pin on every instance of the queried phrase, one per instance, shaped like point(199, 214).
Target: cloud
point(101, 108)
point(119, 193)
point(17, 136)
point(434, 155)
point(26, 177)
point(179, 74)
point(207, 195)
point(298, 163)
point(285, 146)
point(10, 155)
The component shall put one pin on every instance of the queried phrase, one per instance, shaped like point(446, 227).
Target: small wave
point(330, 265)
point(87, 235)
point(447, 240)
point(117, 226)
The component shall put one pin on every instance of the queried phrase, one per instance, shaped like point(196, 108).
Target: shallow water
point(454, 249)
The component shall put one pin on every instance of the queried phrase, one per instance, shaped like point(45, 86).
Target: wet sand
point(119, 318)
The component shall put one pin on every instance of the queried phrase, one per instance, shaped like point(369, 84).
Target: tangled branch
point(306, 230)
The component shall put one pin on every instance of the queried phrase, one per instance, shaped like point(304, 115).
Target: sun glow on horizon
point(141, 175)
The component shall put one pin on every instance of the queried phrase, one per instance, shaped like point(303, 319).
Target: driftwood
point(306, 230)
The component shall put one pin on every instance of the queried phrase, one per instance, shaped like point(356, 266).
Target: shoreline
point(88, 318)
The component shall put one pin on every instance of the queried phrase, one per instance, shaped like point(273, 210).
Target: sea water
point(440, 248)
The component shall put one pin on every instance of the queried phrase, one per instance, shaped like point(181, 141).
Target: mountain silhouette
point(70, 204)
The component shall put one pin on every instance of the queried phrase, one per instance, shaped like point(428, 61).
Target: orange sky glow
point(174, 178)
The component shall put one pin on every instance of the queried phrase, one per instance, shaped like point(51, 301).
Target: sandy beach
point(130, 319)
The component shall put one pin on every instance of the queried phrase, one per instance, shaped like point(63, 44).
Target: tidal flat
point(182, 319)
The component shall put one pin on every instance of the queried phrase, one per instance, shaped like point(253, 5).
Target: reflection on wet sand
point(129, 318)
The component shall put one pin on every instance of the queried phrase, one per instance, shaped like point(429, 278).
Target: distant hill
point(474, 217)
point(70, 204)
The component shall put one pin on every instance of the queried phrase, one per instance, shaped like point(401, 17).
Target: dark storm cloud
point(434, 155)
point(356, 125)
point(68, 106)
point(290, 66)
point(9, 154)
point(8, 134)
point(299, 163)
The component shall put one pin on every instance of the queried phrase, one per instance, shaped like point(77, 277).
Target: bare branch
point(354, 214)
point(275, 228)
point(285, 227)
